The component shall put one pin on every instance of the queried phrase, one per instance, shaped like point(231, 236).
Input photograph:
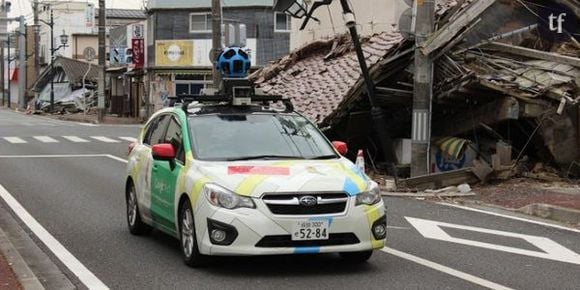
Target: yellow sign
point(174, 53)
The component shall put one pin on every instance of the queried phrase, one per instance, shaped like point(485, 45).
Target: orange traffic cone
point(360, 160)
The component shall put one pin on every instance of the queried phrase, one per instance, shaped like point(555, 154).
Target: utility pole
point(36, 44)
point(9, 93)
point(216, 17)
point(2, 73)
point(102, 62)
point(22, 64)
point(423, 90)
point(51, 60)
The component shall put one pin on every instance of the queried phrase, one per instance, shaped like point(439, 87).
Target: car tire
point(136, 225)
point(188, 238)
point(356, 257)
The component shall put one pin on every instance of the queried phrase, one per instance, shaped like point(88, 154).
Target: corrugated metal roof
point(172, 4)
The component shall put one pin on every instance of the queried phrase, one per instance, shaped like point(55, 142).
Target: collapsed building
point(505, 93)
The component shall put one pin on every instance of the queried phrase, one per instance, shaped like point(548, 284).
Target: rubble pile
point(506, 92)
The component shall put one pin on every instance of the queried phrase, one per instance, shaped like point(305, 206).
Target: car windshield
point(257, 136)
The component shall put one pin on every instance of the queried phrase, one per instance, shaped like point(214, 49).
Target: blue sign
point(447, 163)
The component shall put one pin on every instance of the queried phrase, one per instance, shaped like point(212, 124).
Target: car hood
point(253, 178)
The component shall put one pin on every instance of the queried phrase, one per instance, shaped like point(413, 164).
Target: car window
point(174, 136)
point(156, 130)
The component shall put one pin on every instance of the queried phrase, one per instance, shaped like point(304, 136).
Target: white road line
point(75, 266)
point(445, 269)
point(511, 217)
point(117, 158)
point(75, 139)
point(45, 139)
point(130, 139)
point(88, 124)
point(15, 140)
point(54, 156)
point(105, 139)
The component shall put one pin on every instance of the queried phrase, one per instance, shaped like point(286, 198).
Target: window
point(174, 137)
point(155, 131)
point(199, 22)
point(190, 84)
point(282, 22)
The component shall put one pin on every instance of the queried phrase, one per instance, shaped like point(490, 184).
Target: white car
point(250, 180)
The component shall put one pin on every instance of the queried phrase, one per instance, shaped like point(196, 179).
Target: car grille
point(286, 241)
point(289, 203)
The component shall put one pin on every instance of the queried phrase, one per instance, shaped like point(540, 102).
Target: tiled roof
point(74, 70)
point(318, 78)
point(124, 13)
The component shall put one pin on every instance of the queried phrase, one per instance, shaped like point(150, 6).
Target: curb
point(426, 194)
point(552, 212)
point(25, 276)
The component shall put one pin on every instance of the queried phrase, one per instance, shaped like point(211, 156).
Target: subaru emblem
point(308, 200)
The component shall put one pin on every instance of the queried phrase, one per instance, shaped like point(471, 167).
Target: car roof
point(212, 109)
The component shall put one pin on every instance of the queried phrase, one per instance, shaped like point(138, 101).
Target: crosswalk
point(63, 139)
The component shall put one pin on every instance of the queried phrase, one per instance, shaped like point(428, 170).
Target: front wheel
point(356, 257)
point(189, 248)
point(136, 225)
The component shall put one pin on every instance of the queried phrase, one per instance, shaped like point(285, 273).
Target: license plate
point(310, 230)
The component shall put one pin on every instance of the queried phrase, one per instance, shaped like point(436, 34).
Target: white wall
point(373, 16)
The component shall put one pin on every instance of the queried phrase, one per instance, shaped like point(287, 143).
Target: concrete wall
point(174, 24)
point(372, 16)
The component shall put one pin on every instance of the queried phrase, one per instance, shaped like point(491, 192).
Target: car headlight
point(371, 196)
point(222, 197)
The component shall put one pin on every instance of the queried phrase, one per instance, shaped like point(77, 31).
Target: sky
point(24, 7)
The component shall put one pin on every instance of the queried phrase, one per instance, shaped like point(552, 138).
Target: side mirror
point(340, 147)
point(163, 152)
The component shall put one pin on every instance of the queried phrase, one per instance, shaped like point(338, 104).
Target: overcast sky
point(24, 7)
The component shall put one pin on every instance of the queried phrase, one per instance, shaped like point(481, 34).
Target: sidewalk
point(92, 118)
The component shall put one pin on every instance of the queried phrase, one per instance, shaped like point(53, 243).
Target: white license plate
point(310, 230)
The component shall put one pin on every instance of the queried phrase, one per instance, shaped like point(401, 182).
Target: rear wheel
point(356, 257)
point(136, 225)
point(189, 248)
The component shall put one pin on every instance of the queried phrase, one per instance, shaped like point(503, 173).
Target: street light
point(63, 41)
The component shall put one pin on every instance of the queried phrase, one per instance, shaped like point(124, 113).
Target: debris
point(360, 160)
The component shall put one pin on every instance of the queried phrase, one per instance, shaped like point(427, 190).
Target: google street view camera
point(234, 62)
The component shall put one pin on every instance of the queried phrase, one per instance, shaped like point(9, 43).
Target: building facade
point(179, 42)
point(373, 16)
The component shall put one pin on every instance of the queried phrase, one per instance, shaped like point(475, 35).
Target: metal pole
point(9, 97)
point(102, 62)
point(423, 90)
point(216, 14)
point(22, 64)
point(36, 47)
point(52, 61)
point(377, 113)
point(2, 66)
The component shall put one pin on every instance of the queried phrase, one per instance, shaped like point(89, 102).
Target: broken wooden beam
point(439, 180)
point(452, 28)
point(532, 53)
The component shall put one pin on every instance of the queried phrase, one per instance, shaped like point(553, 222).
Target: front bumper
point(259, 232)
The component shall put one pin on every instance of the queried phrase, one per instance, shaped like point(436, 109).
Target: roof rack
point(235, 92)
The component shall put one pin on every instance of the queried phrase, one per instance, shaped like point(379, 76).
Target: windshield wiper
point(256, 157)
point(322, 157)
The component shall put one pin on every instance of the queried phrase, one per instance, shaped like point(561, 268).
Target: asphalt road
point(79, 200)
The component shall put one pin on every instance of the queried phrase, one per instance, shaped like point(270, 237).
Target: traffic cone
point(360, 160)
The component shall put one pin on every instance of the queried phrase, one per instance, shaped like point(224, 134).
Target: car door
point(164, 178)
point(143, 161)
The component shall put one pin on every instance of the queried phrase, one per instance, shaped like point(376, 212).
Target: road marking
point(445, 269)
point(54, 156)
point(130, 139)
point(45, 139)
point(15, 140)
point(117, 158)
point(105, 139)
point(511, 217)
point(550, 249)
point(75, 139)
point(88, 124)
point(73, 264)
